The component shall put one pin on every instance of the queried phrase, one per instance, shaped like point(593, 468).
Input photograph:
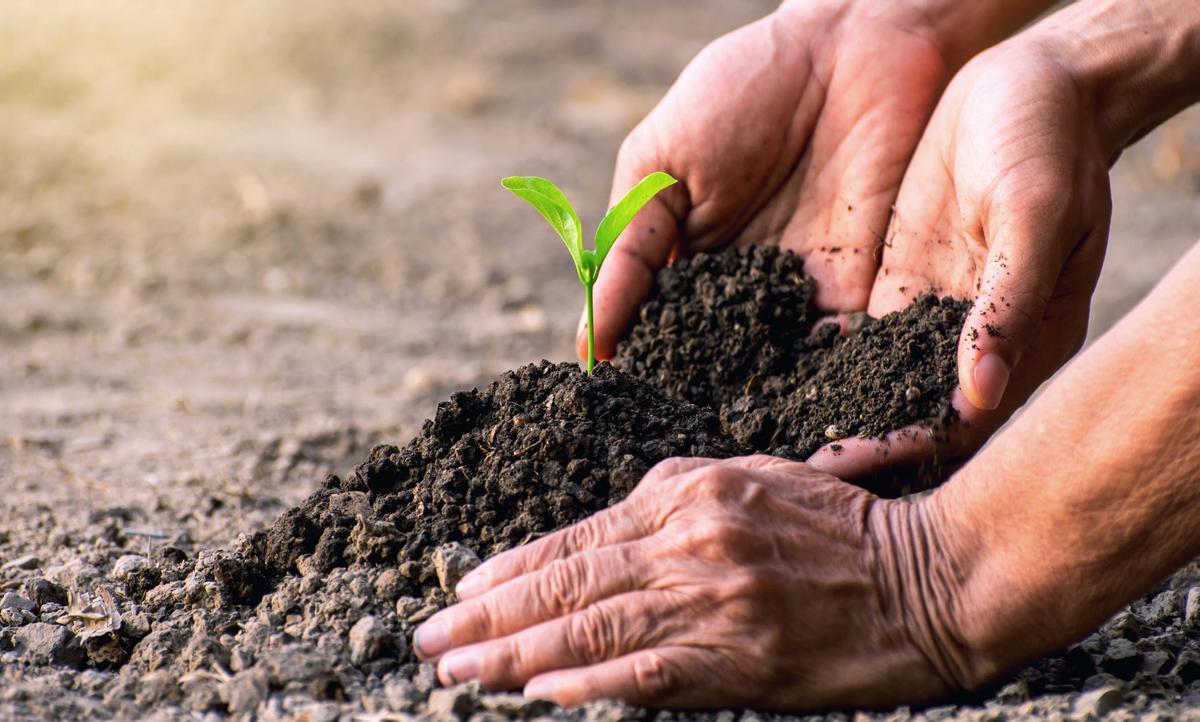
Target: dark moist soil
point(543, 447)
point(313, 619)
point(737, 332)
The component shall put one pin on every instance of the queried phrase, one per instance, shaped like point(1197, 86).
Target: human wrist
point(1137, 62)
point(960, 30)
point(921, 576)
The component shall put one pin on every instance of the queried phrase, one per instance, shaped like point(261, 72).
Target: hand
point(752, 581)
point(1006, 202)
point(794, 130)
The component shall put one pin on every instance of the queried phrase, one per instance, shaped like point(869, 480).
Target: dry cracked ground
point(239, 245)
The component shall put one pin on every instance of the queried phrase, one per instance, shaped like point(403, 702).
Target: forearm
point(1138, 59)
point(1090, 498)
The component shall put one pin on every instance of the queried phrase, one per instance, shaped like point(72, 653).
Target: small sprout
point(912, 394)
point(833, 432)
point(560, 214)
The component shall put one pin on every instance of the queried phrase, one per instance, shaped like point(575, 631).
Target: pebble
point(452, 562)
point(28, 561)
point(1098, 702)
point(1122, 658)
point(245, 691)
point(454, 702)
point(14, 601)
point(367, 639)
point(129, 565)
point(402, 695)
point(42, 643)
point(1191, 608)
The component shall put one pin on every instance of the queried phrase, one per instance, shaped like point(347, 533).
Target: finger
point(906, 460)
point(610, 628)
point(643, 249)
point(563, 586)
point(1032, 232)
point(628, 520)
point(663, 677)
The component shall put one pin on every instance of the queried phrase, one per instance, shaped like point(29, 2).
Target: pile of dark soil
point(313, 618)
point(542, 448)
point(738, 332)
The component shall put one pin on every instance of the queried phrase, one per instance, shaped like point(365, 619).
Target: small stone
point(389, 584)
point(16, 602)
point(1191, 608)
point(43, 591)
point(515, 705)
point(406, 607)
point(28, 561)
point(425, 679)
point(367, 639)
point(1187, 667)
point(1122, 659)
point(1155, 660)
point(1165, 607)
point(912, 394)
point(452, 562)
point(402, 695)
point(245, 691)
point(1098, 702)
point(833, 432)
point(1014, 692)
point(454, 702)
point(128, 565)
point(44, 644)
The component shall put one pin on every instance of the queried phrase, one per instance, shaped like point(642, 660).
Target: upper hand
point(753, 581)
point(1006, 202)
point(793, 130)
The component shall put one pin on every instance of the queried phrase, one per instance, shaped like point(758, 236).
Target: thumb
point(627, 276)
point(1023, 265)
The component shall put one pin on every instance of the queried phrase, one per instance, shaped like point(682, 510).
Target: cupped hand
point(794, 130)
point(753, 581)
point(1006, 202)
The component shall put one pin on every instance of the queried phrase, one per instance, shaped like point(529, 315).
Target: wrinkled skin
point(792, 130)
point(1006, 201)
point(746, 581)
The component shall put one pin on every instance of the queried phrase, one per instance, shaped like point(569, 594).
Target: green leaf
point(623, 212)
point(555, 208)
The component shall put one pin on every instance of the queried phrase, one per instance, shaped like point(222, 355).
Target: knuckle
point(655, 677)
point(556, 588)
point(592, 635)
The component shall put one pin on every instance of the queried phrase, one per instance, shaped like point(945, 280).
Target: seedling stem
point(560, 214)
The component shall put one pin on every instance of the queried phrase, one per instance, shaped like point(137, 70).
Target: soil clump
point(737, 331)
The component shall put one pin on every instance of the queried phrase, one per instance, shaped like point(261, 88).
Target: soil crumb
point(737, 331)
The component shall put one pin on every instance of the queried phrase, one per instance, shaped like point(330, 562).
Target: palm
point(1006, 203)
point(791, 131)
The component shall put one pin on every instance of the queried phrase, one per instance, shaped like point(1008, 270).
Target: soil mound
point(541, 448)
point(737, 332)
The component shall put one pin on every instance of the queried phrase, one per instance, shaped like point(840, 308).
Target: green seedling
point(558, 212)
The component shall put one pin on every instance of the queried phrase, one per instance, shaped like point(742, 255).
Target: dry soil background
point(239, 244)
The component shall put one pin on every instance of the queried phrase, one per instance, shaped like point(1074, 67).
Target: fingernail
point(539, 689)
point(991, 379)
point(431, 639)
point(462, 666)
point(470, 585)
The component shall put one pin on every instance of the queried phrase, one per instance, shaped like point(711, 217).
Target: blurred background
point(242, 242)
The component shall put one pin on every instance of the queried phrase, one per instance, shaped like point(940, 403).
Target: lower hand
point(752, 581)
